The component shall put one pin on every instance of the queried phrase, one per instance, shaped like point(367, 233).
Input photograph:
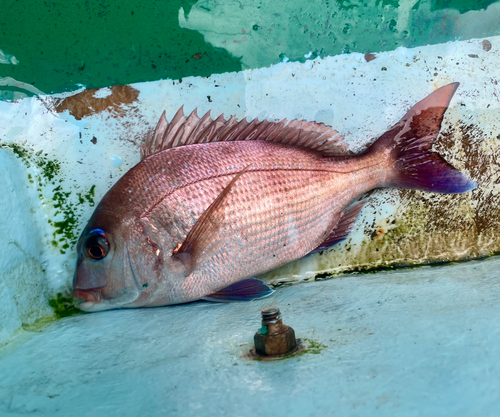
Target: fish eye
point(97, 246)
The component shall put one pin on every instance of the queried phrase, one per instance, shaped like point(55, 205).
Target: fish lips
point(91, 295)
point(94, 292)
point(89, 281)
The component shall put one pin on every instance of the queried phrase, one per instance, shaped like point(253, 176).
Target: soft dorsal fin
point(190, 130)
point(345, 225)
point(205, 230)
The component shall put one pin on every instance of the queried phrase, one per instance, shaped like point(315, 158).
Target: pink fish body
point(214, 203)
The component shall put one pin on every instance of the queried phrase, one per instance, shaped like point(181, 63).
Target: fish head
point(104, 278)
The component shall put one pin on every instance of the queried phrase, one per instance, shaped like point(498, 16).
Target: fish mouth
point(88, 300)
point(92, 307)
point(92, 300)
point(91, 295)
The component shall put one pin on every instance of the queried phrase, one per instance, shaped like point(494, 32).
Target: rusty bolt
point(274, 338)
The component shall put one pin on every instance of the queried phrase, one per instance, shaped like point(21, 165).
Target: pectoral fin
point(246, 290)
point(203, 235)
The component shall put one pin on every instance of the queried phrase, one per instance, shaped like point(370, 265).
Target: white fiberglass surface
point(65, 157)
point(422, 341)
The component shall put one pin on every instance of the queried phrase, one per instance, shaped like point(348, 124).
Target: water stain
point(426, 228)
point(89, 102)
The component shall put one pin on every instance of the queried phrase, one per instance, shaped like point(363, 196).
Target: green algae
point(47, 172)
point(88, 197)
point(304, 347)
point(313, 347)
point(38, 326)
point(63, 306)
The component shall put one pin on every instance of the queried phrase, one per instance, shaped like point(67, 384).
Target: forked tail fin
point(408, 145)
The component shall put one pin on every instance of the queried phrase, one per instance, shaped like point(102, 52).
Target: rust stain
point(85, 104)
point(432, 227)
point(426, 227)
point(369, 57)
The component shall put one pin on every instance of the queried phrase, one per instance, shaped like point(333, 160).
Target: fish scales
point(216, 202)
point(280, 208)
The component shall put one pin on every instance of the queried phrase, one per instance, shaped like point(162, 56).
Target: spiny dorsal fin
point(189, 130)
point(205, 230)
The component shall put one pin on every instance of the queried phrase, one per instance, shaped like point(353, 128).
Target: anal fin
point(246, 290)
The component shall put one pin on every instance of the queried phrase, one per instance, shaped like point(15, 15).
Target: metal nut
point(274, 338)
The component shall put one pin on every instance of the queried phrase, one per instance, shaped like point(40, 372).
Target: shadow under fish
point(214, 203)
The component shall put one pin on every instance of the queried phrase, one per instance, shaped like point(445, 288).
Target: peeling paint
point(292, 28)
point(92, 101)
point(8, 59)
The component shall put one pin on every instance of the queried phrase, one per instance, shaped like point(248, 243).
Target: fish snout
point(93, 295)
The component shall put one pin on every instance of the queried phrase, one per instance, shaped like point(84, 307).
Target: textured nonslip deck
point(413, 342)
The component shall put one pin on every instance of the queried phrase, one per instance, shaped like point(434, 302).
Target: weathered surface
point(91, 101)
point(424, 341)
point(73, 162)
point(428, 228)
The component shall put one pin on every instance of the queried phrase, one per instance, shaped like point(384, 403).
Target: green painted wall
point(54, 46)
point(66, 42)
point(264, 32)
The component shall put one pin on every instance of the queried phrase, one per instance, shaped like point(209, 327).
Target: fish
point(215, 203)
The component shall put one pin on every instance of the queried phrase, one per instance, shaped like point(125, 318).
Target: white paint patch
point(8, 59)
point(360, 99)
point(103, 93)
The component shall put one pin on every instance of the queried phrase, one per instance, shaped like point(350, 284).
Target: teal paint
point(62, 44)
point(463, 6)
point(265, 33)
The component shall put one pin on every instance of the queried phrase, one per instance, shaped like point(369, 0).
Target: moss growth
point(39, 325)
point(65, 222)
point(63, 306)
point(304, 346)
point(313, 347)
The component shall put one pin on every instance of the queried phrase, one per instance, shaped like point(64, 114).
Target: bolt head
point(275, 344)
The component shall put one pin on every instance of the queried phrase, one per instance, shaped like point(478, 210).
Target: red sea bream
point(214, 203)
